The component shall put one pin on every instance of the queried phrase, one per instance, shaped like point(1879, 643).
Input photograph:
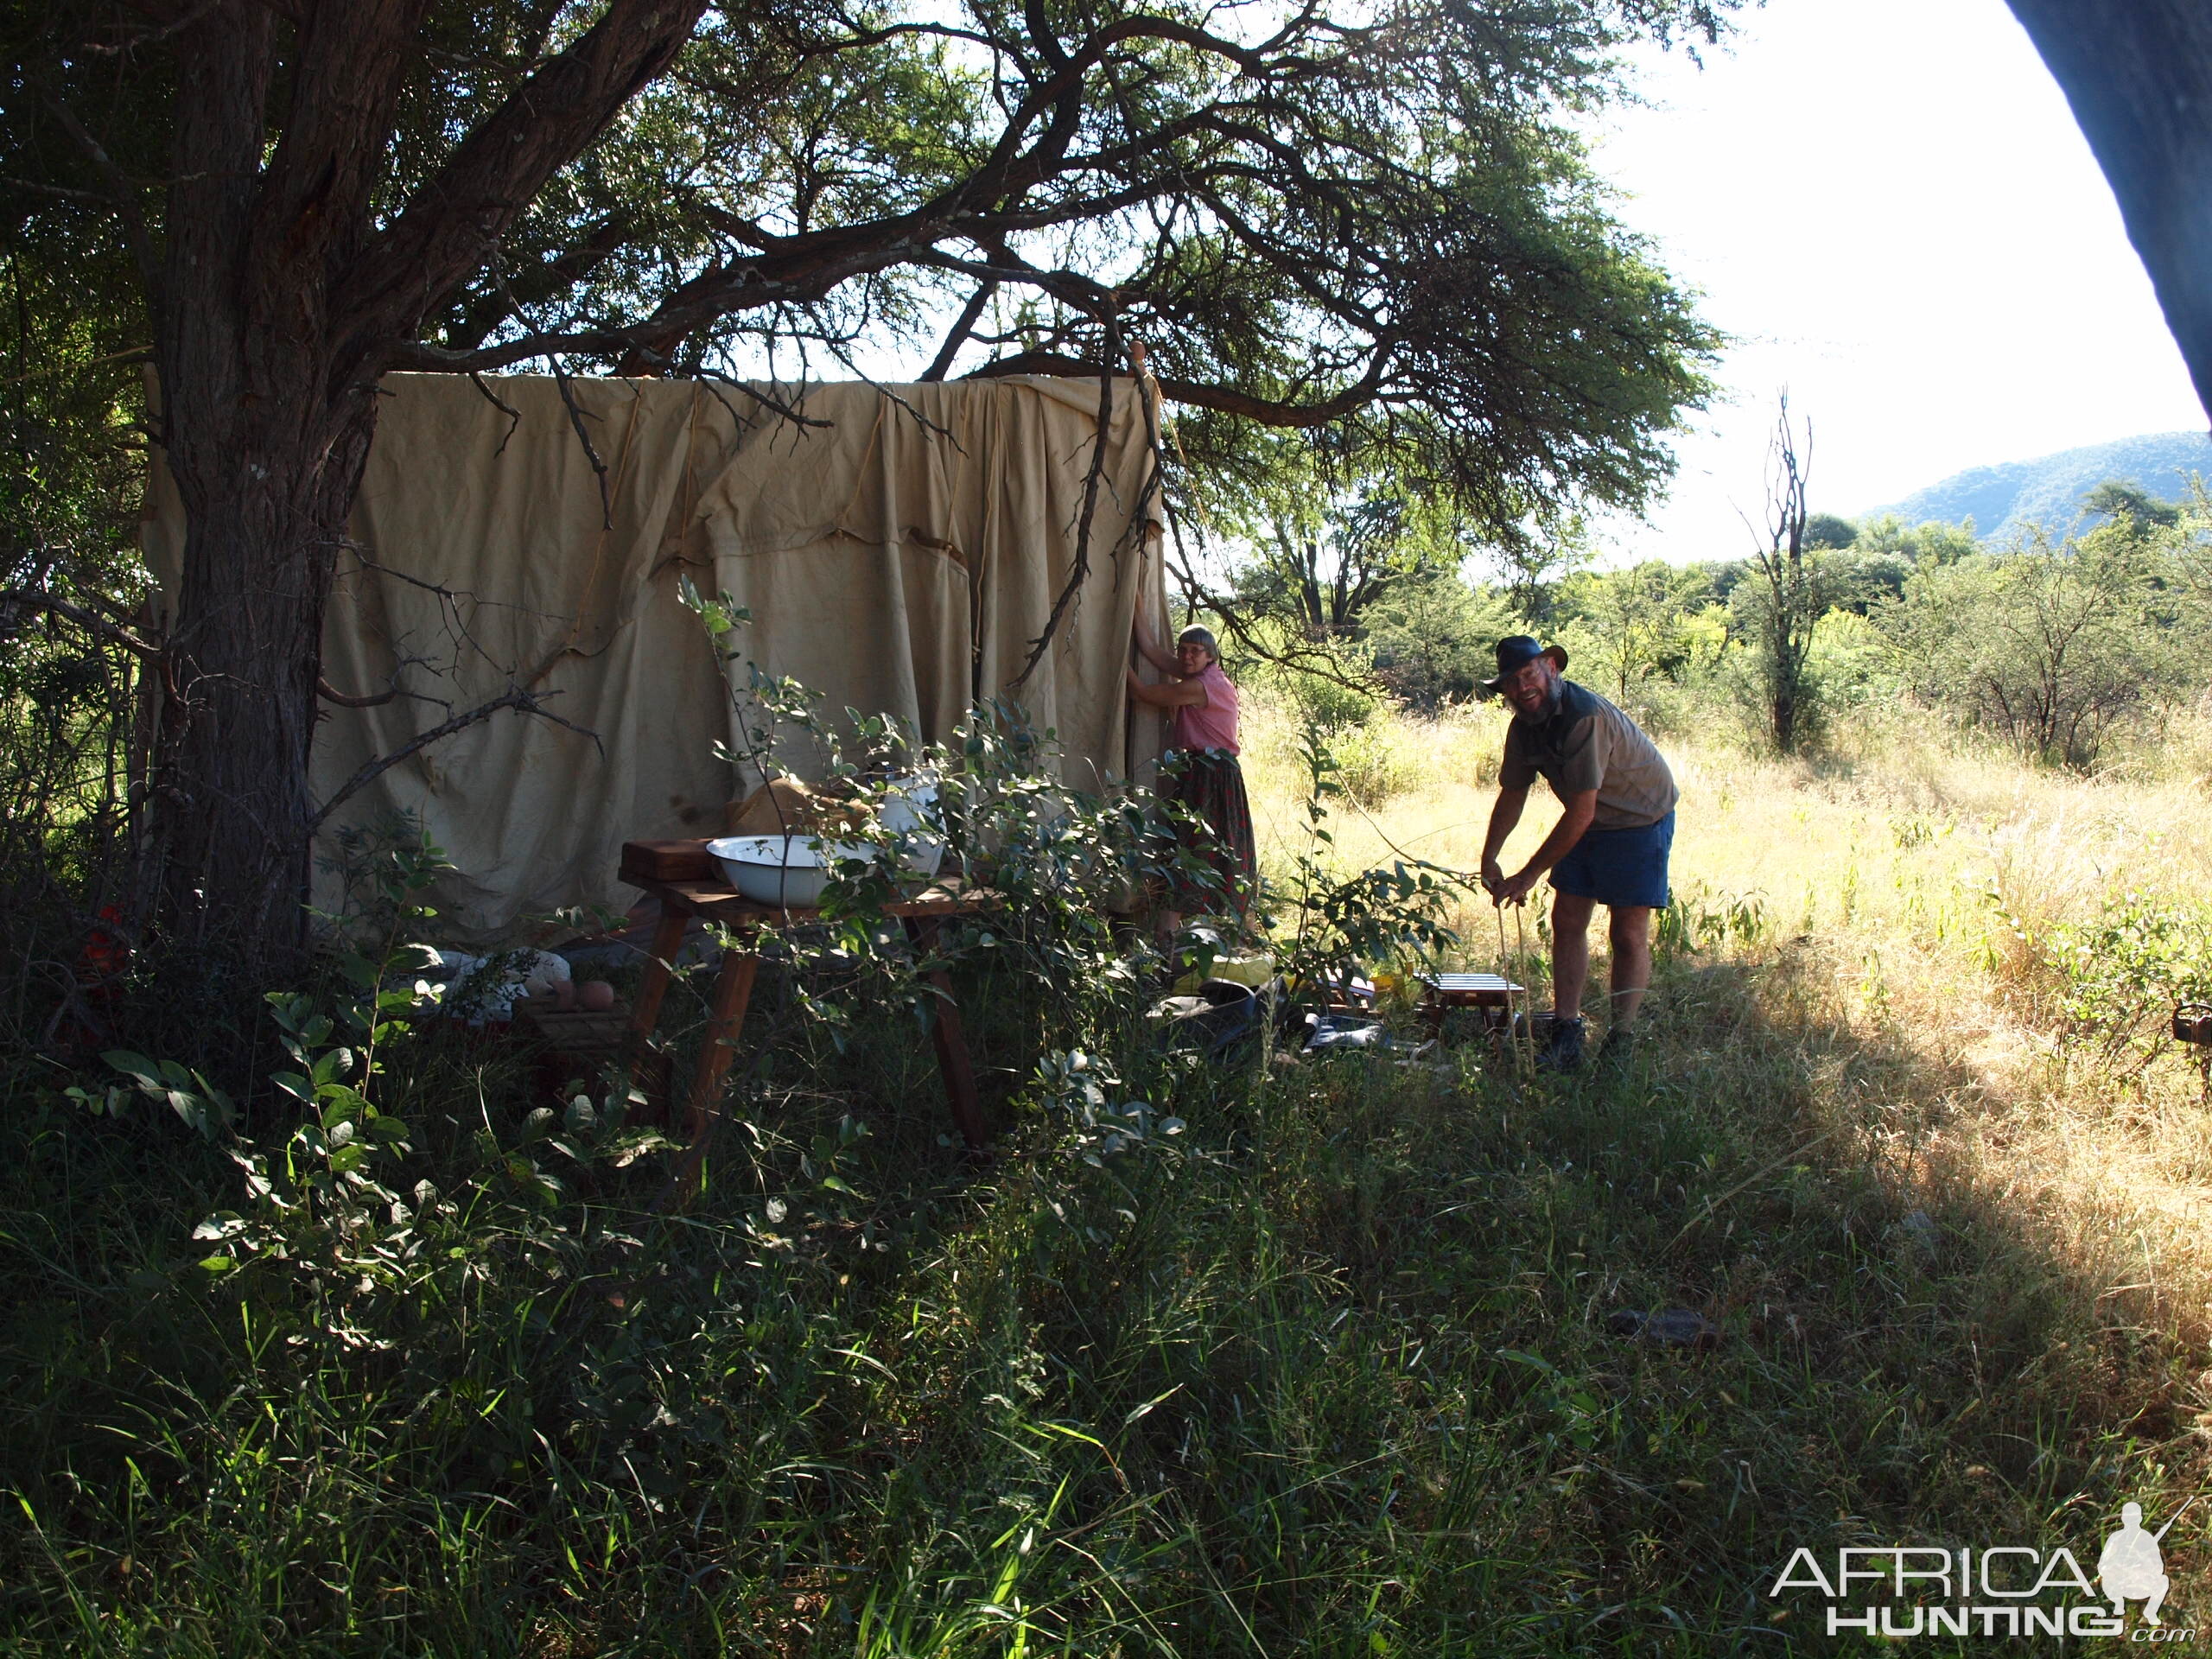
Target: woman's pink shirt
point(1212, 724)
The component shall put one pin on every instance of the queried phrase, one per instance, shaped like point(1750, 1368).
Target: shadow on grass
point(1329, 1372)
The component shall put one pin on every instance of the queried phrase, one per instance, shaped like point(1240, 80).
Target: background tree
point(1432, 640)
point(1783, 601)
point(2131, 504)
point(1533, 563)
point(1825, 533)
point(1321, 564)
point(2049, 646)
point(1376, 222)
point(1627, 626)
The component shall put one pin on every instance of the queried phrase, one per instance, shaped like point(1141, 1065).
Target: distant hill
point(2000, 499)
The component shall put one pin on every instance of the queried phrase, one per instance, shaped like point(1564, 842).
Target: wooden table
point(1492, 992)
point(664, 869)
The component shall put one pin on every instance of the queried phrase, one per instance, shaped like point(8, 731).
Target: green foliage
point(1330, 922)
point(1825, 531)
point(205, 1108)
point(1077, 1088)
point(1532, 568)
point(2132, 507)
point(1625, 627)
point(1433, 641)
point(1697, 922)
point(2051, 648)
point(1327, 1371)
point(1887, 537)
point(1321, 557)
point(1850, 668)
point(1441, 244)
point(2122, 975)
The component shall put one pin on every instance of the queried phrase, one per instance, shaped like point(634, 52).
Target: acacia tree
point(1319, 559)
point(2050, 645)
point(1371, 222)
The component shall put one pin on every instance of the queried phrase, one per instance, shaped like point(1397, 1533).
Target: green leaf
point(147, 1075)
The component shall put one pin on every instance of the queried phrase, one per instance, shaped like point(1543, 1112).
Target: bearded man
point(1610, 846)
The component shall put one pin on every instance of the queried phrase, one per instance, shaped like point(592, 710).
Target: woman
point(1202, 770)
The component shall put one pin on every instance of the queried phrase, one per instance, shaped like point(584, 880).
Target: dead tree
point(1789, 600)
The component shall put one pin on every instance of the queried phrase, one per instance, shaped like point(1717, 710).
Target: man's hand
point(1492, 877)
point(1515, 889)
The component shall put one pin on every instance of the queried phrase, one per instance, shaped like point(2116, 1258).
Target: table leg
point(951, 1040)
point(668, 939)
point(732, 990)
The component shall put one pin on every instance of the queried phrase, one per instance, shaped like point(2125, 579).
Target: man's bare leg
point(1571, 915)
point(1628, 927)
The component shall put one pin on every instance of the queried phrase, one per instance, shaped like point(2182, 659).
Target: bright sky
point(1888, 206)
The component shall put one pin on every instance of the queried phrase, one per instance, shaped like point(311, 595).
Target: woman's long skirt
point(1210, 784)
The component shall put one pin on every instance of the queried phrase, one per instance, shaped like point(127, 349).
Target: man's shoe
point(1564, 1052)
point(1620, 1046)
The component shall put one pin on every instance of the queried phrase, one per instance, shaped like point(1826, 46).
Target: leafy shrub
point(2121, 976)
point(2053, 649)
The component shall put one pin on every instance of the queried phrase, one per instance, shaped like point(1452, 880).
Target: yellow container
point(1255, 971)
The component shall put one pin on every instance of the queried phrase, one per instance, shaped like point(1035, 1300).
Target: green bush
point(2122, 975)
point(2054, 649)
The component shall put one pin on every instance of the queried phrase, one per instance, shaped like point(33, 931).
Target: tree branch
point(1199, 395)
point(963, 325)
point(515, 697)
point(91, 621)
point(453, 222)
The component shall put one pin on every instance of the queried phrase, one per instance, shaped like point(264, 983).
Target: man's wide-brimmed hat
point(1515, 652)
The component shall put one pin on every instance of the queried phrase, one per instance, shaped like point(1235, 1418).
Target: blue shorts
point(1619, 867)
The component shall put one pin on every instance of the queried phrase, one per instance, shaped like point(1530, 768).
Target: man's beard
point(1552, 693)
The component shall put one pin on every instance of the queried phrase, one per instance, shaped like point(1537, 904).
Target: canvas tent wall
point(897, 558)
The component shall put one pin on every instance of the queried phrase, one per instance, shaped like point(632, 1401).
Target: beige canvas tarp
point(898, 559)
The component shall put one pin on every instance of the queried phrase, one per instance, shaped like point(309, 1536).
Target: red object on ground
point(106, 956)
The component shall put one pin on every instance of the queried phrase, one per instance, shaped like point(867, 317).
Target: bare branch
point(513, 414)
point(515, 697)
point(330, 693)
point(956, 336)
point(1080, 569)
point(577, 419)
point(1199, 395)
point(91, 622)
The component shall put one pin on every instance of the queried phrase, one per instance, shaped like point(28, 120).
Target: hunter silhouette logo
point(2132, 1568)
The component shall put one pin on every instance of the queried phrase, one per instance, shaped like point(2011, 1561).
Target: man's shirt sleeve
point(1582, 759)
point(1515, 770)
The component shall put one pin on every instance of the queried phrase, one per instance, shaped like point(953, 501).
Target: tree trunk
point(2137, 74)
point(233, 819)
point(282, 287)
point(266, 444)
